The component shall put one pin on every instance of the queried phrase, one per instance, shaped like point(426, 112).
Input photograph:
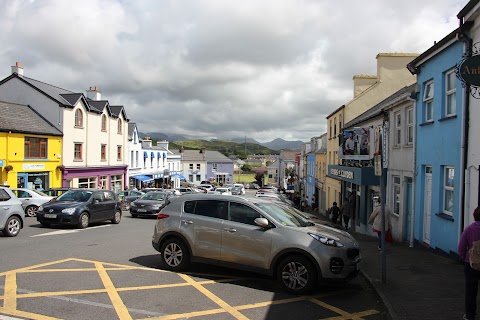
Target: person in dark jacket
point(472, 276)
point(346, 212)
point(335, 212)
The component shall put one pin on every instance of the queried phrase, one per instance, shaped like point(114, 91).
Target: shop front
point(108, 178)
point(361, 187)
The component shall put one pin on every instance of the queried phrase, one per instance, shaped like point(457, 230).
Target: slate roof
point(72, 98)
point(377, 110)
point(20, 118)
point(98, 105)
point(54, 92)
point(196, 155)
point(117, 110)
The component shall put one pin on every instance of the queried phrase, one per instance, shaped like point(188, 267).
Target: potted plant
point(61, 167)
point(8, 168)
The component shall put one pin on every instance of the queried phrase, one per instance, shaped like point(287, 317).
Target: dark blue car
point(80, 207)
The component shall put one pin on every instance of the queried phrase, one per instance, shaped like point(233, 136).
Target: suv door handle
point(230, 229)
point(187, 221)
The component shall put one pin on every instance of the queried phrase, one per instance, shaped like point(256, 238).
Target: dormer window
point(78, 118)
point(119, 129)
point(104, 122)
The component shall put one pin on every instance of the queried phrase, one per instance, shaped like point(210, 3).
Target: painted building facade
point(438, 151)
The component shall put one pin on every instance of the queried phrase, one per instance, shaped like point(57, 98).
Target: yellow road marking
point(354, 316)
point(28, 315)
point(213, 297)
point(10, 291)
point(117, 302)
point(35, 266)
point(343, 314)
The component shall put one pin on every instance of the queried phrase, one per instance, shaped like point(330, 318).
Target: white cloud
point(261, 69)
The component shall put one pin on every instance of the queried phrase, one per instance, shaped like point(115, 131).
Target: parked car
point(184, 183)
point(12, 214)
point(149, 204)
point(237, 191)
point(241, 186)
point(80, 207)
point(207, 187)
point(128, 196)
point(224, 191)
point(255, 235)
point(55, 192)
point(31, 199)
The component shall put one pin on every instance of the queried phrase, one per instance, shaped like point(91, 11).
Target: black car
point(149, 204)
point(80, 207)
point(55, 192)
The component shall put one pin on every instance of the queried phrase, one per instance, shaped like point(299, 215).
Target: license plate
point(49, 215)
point(142, 210)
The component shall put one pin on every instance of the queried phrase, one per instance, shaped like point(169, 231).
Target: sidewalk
point(419, 284)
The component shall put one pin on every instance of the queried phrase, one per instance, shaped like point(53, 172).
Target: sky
point(217, 69)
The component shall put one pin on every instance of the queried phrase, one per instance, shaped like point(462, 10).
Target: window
point(77, 155)
point(35, 148)
point(119, 124)
point(210, 208)
point(87, 183)
point(334, 127)
point(340, 123)
point(198, 166)
point(103, 152)
point(104, 122)
point(190, 177)
point(428, 101)
point(119, 153)
point(410, 126)
point(4, 196)
point(214, 166)
point(398, 129)
point(242, 213)
point(330, 131)
point(448, 190)
point(396, 194)
point(198, 178)
point(190, 166)
point(78, 118)
point(451, 107)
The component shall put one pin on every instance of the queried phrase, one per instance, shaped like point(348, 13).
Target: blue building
point(438, 148)
point(310, 178)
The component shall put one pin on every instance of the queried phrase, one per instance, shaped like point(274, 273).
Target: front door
point(408, 209)
point(427, 205)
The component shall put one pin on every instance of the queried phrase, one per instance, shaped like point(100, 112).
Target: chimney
point(17, 69)
point(94, 94)
point(181, 149)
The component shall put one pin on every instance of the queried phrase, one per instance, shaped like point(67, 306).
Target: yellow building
point(30, 149)
point(369, 90)
point(320, 173)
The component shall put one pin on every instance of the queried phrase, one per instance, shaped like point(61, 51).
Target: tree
point(259, 178)
point(246, 167)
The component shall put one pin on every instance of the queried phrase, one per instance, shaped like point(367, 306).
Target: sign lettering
point(342, 173)
point(470, 70)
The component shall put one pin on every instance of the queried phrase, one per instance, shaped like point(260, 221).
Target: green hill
point(227, 148)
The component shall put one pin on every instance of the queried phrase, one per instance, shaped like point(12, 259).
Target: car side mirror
point(262, 222)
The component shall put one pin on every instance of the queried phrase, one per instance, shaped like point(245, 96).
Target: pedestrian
point(335, 212)
point(346, 212)
point(376, 219)
point(469, 236)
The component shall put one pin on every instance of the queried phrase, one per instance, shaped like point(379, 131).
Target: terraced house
point(95, 134)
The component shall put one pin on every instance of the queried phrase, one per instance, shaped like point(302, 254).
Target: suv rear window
point(207, 208)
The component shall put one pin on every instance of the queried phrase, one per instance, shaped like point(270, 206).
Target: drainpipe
point(414, 175)
point(465, 38)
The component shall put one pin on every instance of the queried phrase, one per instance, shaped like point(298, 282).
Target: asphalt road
point(112, 272)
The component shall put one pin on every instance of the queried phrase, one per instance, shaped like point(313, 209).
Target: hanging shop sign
point(468, 71)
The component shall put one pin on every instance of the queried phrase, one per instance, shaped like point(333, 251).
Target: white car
point(31, 199)
point(11, 213)
point(241, 186)
point(223, 190)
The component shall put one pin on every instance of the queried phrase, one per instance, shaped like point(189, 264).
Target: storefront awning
point(159, 155)
point(142, 177)
point(180, 176)
point(152, 155)
point(145, 154)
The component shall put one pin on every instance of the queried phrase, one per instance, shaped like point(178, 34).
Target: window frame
point(120, 152)
point(428, 96)
point(78, 154)
point(42, 147)
point(448, 188)
point(398, 129)
point(119, 126)
point(103, 152)
point(409, 125)
point(78, 118)
point(104, 123)
point(451, 92)
point(397, 190)
point(214, 166)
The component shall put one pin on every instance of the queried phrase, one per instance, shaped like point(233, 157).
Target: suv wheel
point(12, 226)
point(174, 255)
point(297, 274)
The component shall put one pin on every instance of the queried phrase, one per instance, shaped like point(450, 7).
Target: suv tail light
point(162, 216)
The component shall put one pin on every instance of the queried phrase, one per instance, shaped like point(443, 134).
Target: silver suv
point(11, 213)
point(255, 235)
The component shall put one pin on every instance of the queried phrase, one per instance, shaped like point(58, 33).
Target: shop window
point(35, 148)
point(87, 183)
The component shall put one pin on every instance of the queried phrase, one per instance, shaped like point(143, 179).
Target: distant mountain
point(277, 144)
point(280, 144)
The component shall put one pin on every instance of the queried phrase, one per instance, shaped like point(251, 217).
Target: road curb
point(391, 313)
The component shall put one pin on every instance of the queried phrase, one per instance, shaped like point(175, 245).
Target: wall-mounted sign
point(342, 173)
point(33, 166)
point(469, 70)
point(355, 144)
point(2, 162)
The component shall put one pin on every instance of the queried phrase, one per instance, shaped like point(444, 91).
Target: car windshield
point(153, 196)
point(283, 215)
point(75, 195)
